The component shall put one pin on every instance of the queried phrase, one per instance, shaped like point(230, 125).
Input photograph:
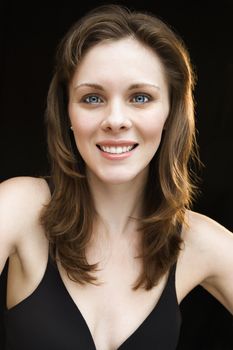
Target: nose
point(116, 119)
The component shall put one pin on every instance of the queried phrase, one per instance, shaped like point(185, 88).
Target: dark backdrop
point(29, 35)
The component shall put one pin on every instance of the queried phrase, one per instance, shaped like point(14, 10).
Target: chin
point(119, 178)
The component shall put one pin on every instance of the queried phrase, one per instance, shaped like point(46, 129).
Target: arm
point(21, 199)
point(8, 229)
point(216, 243)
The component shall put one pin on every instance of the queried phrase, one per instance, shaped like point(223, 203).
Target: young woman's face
point(118, 104)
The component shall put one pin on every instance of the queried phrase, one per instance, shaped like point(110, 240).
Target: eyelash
point(149, 98)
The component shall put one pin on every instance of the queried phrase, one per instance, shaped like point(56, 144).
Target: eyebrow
point(131, 87)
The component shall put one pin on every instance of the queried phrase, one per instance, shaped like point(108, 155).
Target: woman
point(102, 257)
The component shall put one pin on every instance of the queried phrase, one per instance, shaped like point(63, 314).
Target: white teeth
point(116, 150)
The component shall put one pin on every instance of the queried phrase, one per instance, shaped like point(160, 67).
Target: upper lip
point(115, 143)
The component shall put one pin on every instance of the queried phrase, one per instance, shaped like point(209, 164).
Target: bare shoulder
point(205, 234)
point(22, 183)
point(21, 201)
point(212, 244)
point(22, 196)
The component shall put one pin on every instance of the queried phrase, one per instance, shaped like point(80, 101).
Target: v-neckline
point(121, 347)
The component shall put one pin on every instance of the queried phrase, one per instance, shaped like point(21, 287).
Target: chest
point(112, 310)
point(57, 313)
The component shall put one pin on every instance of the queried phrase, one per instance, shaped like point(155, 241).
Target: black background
point(29, 36)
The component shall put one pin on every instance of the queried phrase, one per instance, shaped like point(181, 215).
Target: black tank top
point(48, 319)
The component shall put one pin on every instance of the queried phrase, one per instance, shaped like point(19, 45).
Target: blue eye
point(95, 99)
point(92, 99)
point(141, 98)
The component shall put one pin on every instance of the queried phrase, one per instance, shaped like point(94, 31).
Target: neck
point(117, 205)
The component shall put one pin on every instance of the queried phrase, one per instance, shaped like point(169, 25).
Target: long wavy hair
point(170, 189)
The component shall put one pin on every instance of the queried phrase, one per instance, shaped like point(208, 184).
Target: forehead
point(122, 59)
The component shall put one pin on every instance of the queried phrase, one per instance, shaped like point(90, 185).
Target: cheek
point(84, 131)
point(82, 135)
point(83, 125)
point(153, 122)
point(81, 129)
point(152, 130)
point(77, 119)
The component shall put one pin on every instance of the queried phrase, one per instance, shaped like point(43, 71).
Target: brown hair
point(68, 217)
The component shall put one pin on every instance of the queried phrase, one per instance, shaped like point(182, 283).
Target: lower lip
point(121, 156)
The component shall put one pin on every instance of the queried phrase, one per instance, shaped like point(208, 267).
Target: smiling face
point(118, 104)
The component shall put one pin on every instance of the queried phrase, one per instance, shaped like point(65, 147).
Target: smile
point(116, 150)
